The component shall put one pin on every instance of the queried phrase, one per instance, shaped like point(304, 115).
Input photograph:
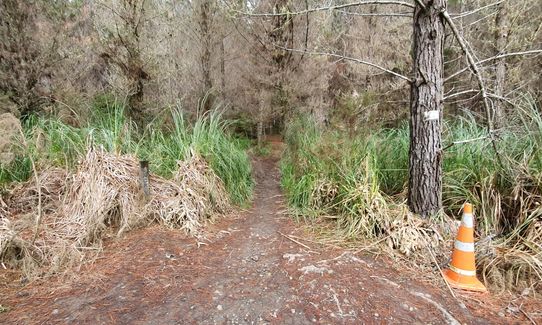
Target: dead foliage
point(410, 234)
point(102, 198)
point(515, 261)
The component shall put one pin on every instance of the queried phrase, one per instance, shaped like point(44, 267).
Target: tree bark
point(223, 68)
point(426, 103)
point(261, 117)
point(282, 35)
point(501, 41)
point(205, 59)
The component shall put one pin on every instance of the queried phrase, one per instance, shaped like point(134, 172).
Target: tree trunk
point(426, 102)
point(501, 40)
point(134, 65)
point(261, 117)
point(222, 68)
point(205, 34)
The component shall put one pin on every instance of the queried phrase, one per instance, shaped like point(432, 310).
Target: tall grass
point(53, 143)
point(356, 178)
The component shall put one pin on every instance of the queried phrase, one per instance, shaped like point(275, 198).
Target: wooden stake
point(144, 177)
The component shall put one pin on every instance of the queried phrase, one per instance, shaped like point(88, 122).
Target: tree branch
point(476, 71)
point(493, 58)
point(346, 5)
point(461, 93)
point(408, 15)
point(421, 4)
point(349, 59)
point(491, 95)
point(473, 66)
point(465, 141)
point(468, 13)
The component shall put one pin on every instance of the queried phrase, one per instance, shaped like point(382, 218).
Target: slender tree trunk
point(425, 156)
point(222, 68)
point(134, 67)
point(283, 36)
point(205, 34)
point(501, 40)
point(261, 115)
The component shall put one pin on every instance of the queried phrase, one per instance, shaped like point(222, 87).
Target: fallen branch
point(440, 271)
point(527, 315)
point(337, 302)
point(364, 248)
point(295, 241)
point(451, 320)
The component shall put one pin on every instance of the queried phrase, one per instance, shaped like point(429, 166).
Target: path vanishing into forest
point(248, 269)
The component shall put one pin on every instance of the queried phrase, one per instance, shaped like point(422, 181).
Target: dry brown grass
point(102, 198)
point(515, 261)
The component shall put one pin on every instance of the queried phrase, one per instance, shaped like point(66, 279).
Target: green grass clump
point(53, 143)
point(334, 175)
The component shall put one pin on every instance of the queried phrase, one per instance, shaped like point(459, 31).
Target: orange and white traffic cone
point(461, 273)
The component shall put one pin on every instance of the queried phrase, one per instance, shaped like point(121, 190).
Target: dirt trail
point(246, 271)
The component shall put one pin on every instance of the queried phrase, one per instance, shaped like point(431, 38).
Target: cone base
point(468, 283)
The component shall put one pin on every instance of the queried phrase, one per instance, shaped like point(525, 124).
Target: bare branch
point(476, 71)
point(473, 66)
point(493, 58)
point(408, 15)
point(461, 93)
point(465, 141)
point(472, 12)
point(491, 95)
point(343, 6)
point(349, 59)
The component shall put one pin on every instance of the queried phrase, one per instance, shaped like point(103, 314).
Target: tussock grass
point(360, 183)
point(103, 197)
point(162, 143)
point(90, 186)
point(328, 174)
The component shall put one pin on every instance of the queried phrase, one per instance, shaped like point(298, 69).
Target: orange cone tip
point(467, 208)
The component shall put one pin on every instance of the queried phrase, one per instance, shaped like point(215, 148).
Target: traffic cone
point(461, 273)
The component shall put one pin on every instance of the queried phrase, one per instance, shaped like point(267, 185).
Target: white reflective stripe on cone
point(464, 247)
point(468, 220)
point(462, 272)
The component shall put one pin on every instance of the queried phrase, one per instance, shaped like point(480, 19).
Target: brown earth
point(255, 267)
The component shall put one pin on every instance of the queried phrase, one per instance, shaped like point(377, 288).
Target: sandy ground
point(252, 267)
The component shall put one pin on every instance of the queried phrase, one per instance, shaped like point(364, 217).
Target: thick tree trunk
point(501, 40)
point(425, 156)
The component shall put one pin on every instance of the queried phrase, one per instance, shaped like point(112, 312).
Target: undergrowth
point(163, 143)
point(88, 184)
point(360, 183)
